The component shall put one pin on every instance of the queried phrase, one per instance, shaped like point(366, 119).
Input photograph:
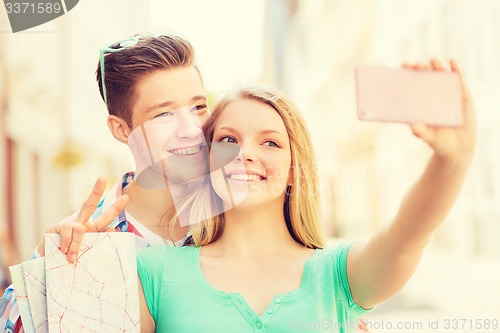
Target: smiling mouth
point(185, 151)
point(245, 177)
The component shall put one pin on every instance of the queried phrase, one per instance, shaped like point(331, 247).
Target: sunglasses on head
point(113, 48)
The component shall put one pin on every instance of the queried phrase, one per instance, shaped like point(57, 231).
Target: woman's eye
point(227, 139)
point(271, 144)
point(164, 114)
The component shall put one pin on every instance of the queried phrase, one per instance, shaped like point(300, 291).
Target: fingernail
point(73, 258)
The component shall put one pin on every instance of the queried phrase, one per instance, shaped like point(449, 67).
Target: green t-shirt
point(181, 300)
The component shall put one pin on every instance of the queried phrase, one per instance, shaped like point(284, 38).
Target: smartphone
point(408, 96)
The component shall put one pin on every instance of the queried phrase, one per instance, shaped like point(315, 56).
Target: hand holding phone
point(409, 96)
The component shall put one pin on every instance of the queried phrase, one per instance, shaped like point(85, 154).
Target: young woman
point(261, 265)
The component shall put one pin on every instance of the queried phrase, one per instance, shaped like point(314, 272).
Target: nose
point(189, 125)
point(247, 154)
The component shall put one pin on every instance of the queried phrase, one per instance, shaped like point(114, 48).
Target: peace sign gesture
point(72, 228)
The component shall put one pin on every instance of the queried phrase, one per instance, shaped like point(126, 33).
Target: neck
point(153, 200)
point(154, 208)
point(256, 232)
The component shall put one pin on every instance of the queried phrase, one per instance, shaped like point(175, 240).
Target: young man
point(157, 105)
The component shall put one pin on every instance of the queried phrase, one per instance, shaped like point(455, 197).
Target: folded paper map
point(99, 293)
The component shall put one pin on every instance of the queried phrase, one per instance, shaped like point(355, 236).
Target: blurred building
point(312, 50)
point(53, 133)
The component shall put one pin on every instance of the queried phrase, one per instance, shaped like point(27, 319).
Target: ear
point(119, 128)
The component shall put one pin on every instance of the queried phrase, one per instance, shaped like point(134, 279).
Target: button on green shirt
point(181, 300)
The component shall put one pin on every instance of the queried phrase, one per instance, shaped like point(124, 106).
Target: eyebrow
point(169, 103)
point(199, 97)
point(266, 131)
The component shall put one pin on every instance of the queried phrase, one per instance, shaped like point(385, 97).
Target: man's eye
point(227, 139)
point(271, 144)
point(200, 109)
point(164, 114)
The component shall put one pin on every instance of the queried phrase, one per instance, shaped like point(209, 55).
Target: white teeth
point(244, 177)
point(186, 151)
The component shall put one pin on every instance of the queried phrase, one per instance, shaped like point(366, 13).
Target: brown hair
point(123, 68)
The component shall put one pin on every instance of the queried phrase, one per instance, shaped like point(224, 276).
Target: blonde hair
point(301, 209)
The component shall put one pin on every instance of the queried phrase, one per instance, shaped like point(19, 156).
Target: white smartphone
point(409, 96)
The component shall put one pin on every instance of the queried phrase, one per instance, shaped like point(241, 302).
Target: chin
point(187, 172)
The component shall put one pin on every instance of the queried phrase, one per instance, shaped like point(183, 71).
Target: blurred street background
point(54, 141)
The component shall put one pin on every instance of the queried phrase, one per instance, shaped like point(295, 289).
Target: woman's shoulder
point(155, 258)
point(166, 250)
point(336, 250)
point(331, 258)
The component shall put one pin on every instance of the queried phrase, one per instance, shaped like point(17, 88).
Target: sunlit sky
point(227, 34)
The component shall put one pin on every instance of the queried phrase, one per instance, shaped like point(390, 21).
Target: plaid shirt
point(10, 318)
